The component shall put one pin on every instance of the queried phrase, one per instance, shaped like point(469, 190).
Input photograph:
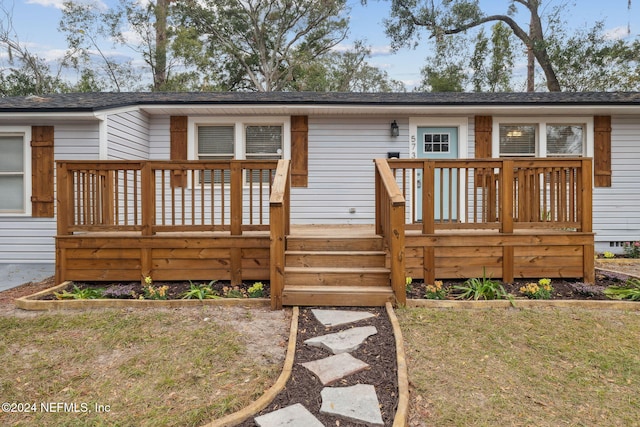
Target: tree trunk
point(539, 49)
point(160, 69)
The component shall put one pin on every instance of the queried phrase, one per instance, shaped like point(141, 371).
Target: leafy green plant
point(632, 249)
point(609, 255)
point(541, 290)
point(152, 292)
point(201, 291)
point(233, 292)
point(256, 290)
point(80, 293)
point(408, 287)
point(484, 288)
point(629, 291)
point(435, 291)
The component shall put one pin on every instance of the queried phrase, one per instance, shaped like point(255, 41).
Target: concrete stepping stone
point(290, 416)
point(343, 341)
point(339, 317)
point(333, 368)
point(356, 403)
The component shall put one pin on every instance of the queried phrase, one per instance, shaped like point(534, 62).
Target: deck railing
point(164, 196)
point(503, 194)
point(279, 202)
point(390, 223)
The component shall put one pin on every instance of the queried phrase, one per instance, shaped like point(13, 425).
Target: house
point(331, 140)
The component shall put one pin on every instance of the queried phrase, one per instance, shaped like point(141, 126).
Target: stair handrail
point(279, 224)
point(390, 224)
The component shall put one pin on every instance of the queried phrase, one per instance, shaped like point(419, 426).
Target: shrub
point(256, 290)
point(201, 291)
point(632, 249)
point(484, 288)
point(435, 291)
point(540, 290)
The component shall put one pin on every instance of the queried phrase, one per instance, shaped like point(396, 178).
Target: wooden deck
point(111, 228)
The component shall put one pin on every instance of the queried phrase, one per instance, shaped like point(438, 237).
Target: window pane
point(11, 159)
point(565, 140)
point(517, 140)
point(214, 141)
point(11, 193)
point(263, 140)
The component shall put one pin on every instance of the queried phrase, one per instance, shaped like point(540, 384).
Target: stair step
point(344, 296)
point(333, 259)
point(316, 243)
point(331, 276)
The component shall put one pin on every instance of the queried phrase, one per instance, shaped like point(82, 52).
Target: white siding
point(31, 240)
point(128, 136)
point(341, 170)
point(160, 145)
point(616, 209)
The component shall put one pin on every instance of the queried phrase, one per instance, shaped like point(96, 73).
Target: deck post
point(586, 219)
point(428, 220)
point(278, 226)
point(63, 193)
point(506, 218)
point(396, 248)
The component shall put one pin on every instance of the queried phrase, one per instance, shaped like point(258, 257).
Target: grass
point(522, 367)
point(150, 368)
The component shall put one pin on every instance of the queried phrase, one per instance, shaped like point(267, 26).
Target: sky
point(36, 23)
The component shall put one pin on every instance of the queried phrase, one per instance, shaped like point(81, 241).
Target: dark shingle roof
point(92, 102)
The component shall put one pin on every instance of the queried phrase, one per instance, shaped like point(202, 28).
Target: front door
point(439, 143)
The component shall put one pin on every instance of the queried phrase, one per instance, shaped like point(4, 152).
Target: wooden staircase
point(336, 271)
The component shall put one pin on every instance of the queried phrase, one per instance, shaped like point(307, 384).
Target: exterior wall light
point(395, 130)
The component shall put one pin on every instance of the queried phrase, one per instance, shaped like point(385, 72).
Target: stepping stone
point(339, 317)
point(333, 368)
point(356, 403)
point(343, 341)
point(293, 416)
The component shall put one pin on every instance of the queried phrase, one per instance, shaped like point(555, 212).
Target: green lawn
point(546, 367)
point(141, 368)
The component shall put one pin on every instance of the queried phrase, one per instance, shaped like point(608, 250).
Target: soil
point(378, 351)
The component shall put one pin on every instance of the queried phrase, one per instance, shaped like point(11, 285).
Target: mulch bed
point(379, 351)
point(176, 289)
point(563, 288)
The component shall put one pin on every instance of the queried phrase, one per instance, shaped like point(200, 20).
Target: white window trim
point(25, 131)
point(541, 131)
point(462, 123)
point(239, 124)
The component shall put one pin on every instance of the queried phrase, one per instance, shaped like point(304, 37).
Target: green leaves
point(630, 291)
point(485, 289)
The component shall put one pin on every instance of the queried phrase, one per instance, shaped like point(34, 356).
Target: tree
point(86, 27)
point(450, 17)
point(258, 40)
point(445, 70)
point(492, 60)
point(346, 71)
point(23, 72)
point(588, 61)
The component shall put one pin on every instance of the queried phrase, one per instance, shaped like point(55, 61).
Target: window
point(567, 137)
point(250, 139)
point(565, 140)
point(13, 173)
point(215, 143)
point(517, 140)
point(436, 142)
